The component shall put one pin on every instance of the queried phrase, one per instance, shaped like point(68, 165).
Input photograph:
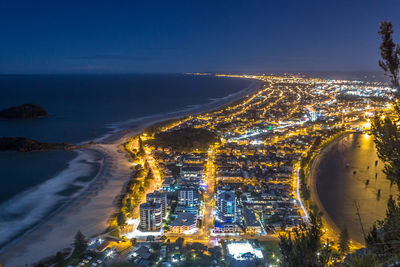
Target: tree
point(146, 165)
point(216, 252)
point(199, 247)
point(128, 205)
point(325, 253)
point(141, 150)
point(59, 259)
point(150, 175)
point(133, 241)
point(121, 219)
point(384, 238)
point(344, 242)
point(300, 246)
point(179, 242)
point(387, 140)
point(358, 260)
point(390, 53)
point(150, 238)
point(80, 243)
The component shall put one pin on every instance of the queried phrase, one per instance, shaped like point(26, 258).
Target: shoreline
point(333, 229)
point(92, 209)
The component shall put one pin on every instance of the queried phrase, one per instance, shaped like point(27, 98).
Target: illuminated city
point(200, 133)
point(245, 186)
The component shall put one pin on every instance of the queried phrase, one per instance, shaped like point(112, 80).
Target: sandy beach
point(345, 180)
point(89, 213)
point(312, 182)
point(333, 229)
point(91, 210)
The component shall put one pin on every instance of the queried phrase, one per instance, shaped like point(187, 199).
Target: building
point(167, 185)
point(252, 225)
point(227, 206)
point(158, 197)
point(150, 217)
point(183, 223)
point(226, 228)
point(191, 171)
point(188, 196)
point(183, 209)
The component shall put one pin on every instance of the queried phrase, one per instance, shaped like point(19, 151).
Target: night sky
point(192, 36)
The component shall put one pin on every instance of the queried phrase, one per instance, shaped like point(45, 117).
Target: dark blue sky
point(191, 36)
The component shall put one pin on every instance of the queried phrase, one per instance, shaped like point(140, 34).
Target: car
point(99, 261)
point(89, 257)
point(94, 264)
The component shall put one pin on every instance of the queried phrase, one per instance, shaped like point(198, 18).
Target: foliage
point(80, 243)
point(149, 177)
point(359, 260)
point(304, 189)
point(141, 150)
point(128, 205)
point(387, 140)
point(59, 259)
point(121, 219)
point(344, 241)
point(185, 139)
point(326, 253)
point(216, 252)
point(390, 53)
point(301, 246)
point(179, 242)
point(384, 238)
point(198, 247)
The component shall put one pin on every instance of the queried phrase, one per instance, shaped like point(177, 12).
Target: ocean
point(83, 108)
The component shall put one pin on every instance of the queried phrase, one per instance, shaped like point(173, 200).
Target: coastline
point(91, 210)
point(333, 230)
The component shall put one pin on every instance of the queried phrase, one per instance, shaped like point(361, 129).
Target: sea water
point(81, 108)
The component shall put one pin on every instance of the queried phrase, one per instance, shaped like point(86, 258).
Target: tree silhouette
point(300, 246)
point(80, 243)
point(390, 53)
point(344, 242)
point(121, 219)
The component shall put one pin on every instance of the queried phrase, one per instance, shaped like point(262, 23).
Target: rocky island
point(23, 144)
point(25, 111)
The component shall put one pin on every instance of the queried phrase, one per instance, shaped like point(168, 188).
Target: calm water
point(85, 107)
point(341, 182)
point(81, 108)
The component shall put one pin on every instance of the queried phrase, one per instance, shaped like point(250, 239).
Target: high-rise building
point(227, 206)
point(158, 197)
point(186, 197)
point(150, 217)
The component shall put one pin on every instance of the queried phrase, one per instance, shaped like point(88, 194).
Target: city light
point(239, 250)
